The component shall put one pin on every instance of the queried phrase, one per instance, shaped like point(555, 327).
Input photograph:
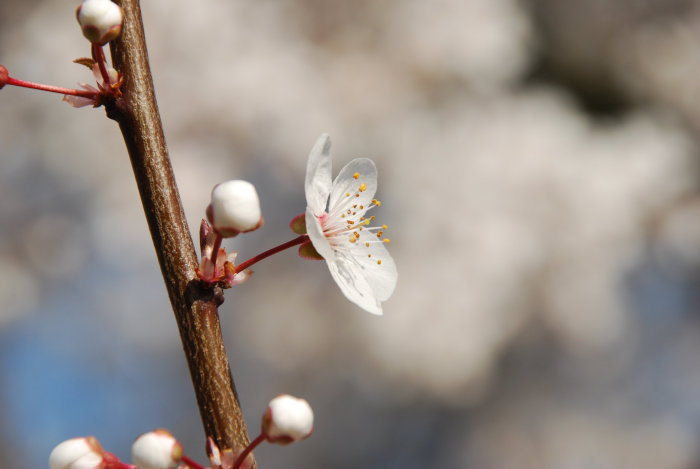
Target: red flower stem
point(192, 464)
point(244, 265)
point(217, 245)
point(49, 88)
point(99, 55)
point(247, 451)
point(111, 461)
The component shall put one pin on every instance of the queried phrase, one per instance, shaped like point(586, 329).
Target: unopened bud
point(288, 419)
point(100, 20)
point(156, 450)
point(77, 453)
point(234, 208)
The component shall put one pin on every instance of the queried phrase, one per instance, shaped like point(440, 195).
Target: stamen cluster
point(346, 222)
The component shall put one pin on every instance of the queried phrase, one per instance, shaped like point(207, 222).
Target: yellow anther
point(379, 262)
point(386, 240)
point(352, 239)
point(356, 175)
point(342, 215)
point(363, 187)
point(347, 194)
point(367, 244)
point(384, 227)
point(362, 207)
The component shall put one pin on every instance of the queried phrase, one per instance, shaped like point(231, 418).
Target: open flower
point(340, 232)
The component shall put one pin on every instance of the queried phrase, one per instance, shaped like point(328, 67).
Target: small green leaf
point(308, 251)
point(89, 63)
point(298, 224)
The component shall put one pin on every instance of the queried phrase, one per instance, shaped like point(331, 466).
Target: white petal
point(376, 264)
point(345, 184)
point(317, 185)
point(318, 239)
point(350, 277)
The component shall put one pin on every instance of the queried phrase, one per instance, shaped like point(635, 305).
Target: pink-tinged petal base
point(314, 230)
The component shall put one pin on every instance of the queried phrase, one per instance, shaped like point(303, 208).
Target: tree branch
point(195, 306)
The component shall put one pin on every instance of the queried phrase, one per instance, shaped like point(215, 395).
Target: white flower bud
point(156, 450)
point(288, 419)
point(234, 208)
point(77, 453)
point(100, 20)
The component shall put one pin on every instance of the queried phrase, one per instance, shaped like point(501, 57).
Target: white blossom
point(336, 224)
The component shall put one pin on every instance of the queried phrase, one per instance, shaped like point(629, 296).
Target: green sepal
point(308, 251)
point(298, 224)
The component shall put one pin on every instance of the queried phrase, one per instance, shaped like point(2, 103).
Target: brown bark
point(194, 305)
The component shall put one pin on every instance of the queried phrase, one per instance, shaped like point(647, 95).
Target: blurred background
point(538, 167)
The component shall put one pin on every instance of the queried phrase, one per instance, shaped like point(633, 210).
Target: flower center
point(347, 229)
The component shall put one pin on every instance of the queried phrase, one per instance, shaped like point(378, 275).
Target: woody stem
point(194, 304)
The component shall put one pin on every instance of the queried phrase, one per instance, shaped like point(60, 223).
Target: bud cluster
point(286, 420)
point(154, 450)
